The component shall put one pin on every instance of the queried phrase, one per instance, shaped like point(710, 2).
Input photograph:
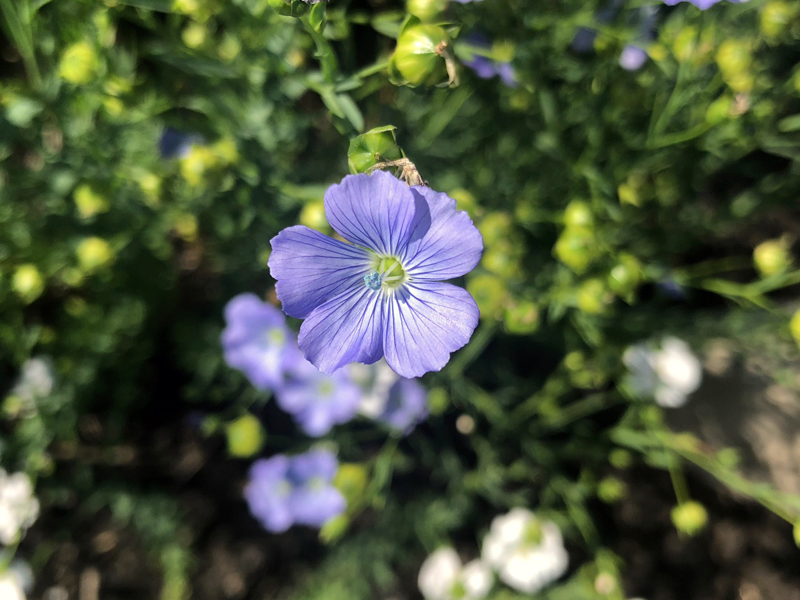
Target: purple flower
point(284, 491)
point(632, 58)
point(318, 401)
point(257, 341)
point(701, 4)
point(486, 68)
point(407, 406)
point(382, 294)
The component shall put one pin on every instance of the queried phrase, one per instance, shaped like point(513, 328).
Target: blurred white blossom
point(375, 380)
point(668, 373)
point(443, 577)
point(36, 380)
point(19, 508)
point(527, 552)
point(11, 586)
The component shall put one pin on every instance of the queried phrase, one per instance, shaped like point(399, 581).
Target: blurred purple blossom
point(284, 491)
point(632, 58)
point(701, 4)
point(485, 67)
point(406, 406)
point(318, 401)
point(257, 341)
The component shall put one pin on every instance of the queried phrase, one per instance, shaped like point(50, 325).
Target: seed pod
point(419, 58)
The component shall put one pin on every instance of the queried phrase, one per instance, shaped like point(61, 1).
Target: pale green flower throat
point(388, 272)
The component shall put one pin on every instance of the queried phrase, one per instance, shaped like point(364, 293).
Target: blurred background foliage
point(616, 206)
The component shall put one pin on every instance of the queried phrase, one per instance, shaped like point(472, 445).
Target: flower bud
point(719, 110)
point(794, 327)
point(351, 481)
point(93, 253)
point(194, 35)
point(733, 58)
point(578, 214)
point(426, 10)
point(313, 216)
point(370, 148)
point(620, 458)
point(689, 518)
point(522, 318)
point(776, 17)
point(625, 276)
point(79, 63)
point(334, 529)
point(611, 490)
point(419, 56)
point(28, 283)
point(89, 202)
point(490, 294)
point(772, 257)
point(574, 248)
point(245, 436)
point(438, 401)
point(593, 297)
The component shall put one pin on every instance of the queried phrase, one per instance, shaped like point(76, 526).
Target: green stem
point(18, 25)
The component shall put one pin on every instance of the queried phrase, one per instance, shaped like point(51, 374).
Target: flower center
point(533, 534)
point(458, 591)
point(387, 272)
point(275, 337)
point(325, 389)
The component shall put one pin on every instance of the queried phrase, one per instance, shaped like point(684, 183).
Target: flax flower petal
point(311, 268)
point(425, 322)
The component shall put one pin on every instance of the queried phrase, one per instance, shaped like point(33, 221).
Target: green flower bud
point(794, 327)
point(334, 529)
point(28, 283)
point(593, 297)
point(522, 318)
point(93, 253)
point(689, 518)
point(245, 436)
point(489, 293)
point(574, 248)
point(733, 58)
point(611, 490)
point(79, 63)
point(89, 202)
point(625, 276)
point(313, 216)
point(719, 110)
point(351, 480)
point(776, 17)
point(772, 257)
point(370, 148)
point(419, 58)
point(194, 35)
point(438, 400)
point(578, 214)
point(620, 459)
point(426, 10)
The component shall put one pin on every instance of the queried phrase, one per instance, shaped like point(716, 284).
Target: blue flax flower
point(383, 293)
point(284, 491)
point(258, 342)
point(318, 401)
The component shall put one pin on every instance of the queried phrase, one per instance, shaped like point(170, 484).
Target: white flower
point(375, 380)
point(19, 508)
point(669, 374)
point(527, 552)
point(36, 380)
point(10, 586)
point(443, 577)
